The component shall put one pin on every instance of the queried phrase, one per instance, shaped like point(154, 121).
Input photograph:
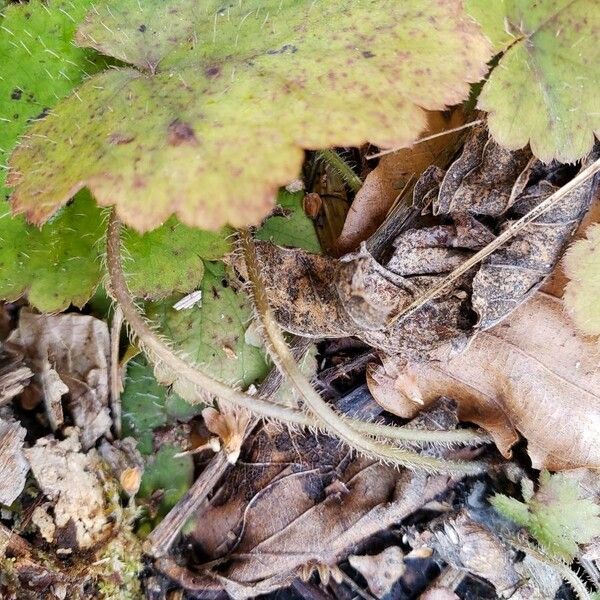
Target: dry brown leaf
point(469, 546)
point(298, 502)
point(318, 296)
point(532, 374)
point(381, 571)
point(393, 174)
point(77, 348)
point(13, 464)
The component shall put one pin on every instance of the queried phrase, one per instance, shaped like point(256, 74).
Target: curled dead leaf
point(532, 374)
point(393, 175)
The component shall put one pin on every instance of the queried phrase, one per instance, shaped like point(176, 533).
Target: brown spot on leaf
point(119, 138)
point(181, 133)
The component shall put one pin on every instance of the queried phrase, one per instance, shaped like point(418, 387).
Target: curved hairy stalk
point(563, 569)
point(332, 421)
point(159, 352)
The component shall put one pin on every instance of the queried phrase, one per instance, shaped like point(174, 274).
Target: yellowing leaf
point(544, 89)
point(225, 97)
point(557, 515)
point(582, 267)
point(39, 65)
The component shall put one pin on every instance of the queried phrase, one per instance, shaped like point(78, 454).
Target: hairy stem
point(560, 567)
point(160, 352)
point(342, 168)
point(331, 420)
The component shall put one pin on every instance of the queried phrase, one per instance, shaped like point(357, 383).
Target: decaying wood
point(14, 375)
point(13, 464)
point(77, 348)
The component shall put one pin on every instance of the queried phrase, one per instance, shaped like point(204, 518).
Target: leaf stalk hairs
point(332, 421)
point(158, 351)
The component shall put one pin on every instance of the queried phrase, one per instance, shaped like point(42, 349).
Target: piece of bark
point(532, 374)
point(13, 464)
point(14, 375)
point(77, 347)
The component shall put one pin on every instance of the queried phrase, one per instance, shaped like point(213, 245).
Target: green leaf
point(221, 99)
point(544, 89)
point(511, 508)
point(147, 405)
point(168, 473)
point(582, 266)
point(212, 335)
point(39, 65)
point(557, 515)
point(294, 228)
point(57, 265)
point(169, 259)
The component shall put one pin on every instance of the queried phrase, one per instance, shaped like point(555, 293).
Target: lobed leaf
point(293, 228)
point(164, 471)
point(213, 335)
point(224, 98)
point(57, 265)
point(39, 65)
point(557, 515)
point(169, 259)
point(544, 90)
point(146, 405)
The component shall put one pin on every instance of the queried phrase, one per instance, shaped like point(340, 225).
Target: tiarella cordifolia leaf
point(544, 89)
point(39, 65)
point(582, 266)
point(57, 265)
point(168, 473)
point(290, 227)
point(220, 100)
point(557, 515)
point(169, 259)
point(212, 335)
point(147, 405)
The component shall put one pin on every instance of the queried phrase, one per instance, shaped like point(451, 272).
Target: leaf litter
point(292, 507)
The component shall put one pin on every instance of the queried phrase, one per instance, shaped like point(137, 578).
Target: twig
point(427, 138)
point(504, 237)
point(116, 378)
